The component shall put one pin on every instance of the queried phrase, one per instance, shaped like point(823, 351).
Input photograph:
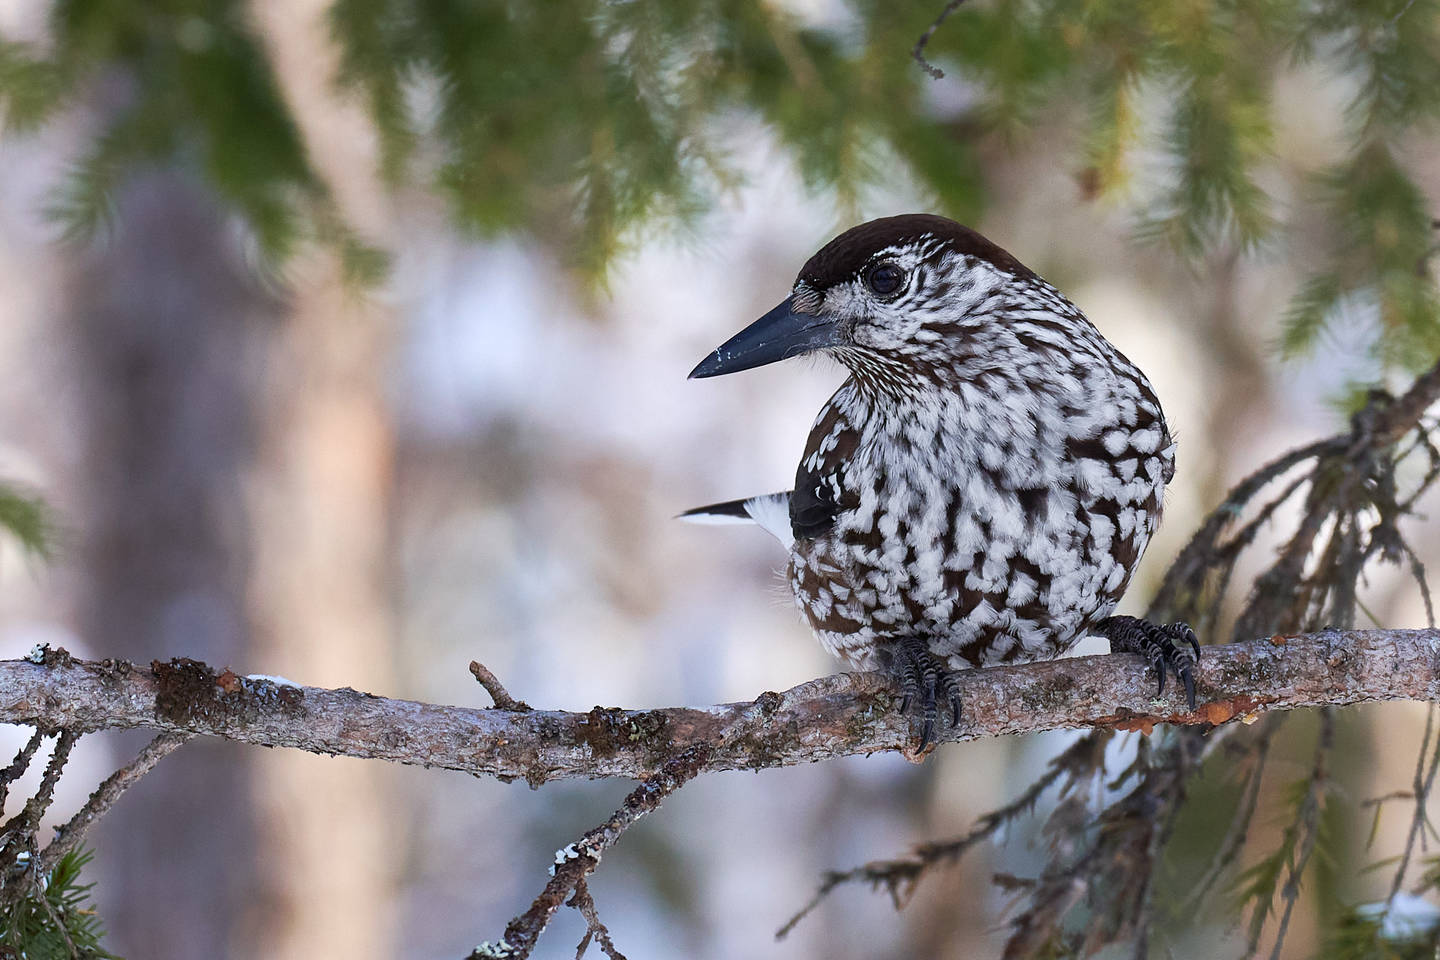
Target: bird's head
point(885, 297)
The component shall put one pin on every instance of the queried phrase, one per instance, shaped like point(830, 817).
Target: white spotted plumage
point(989, 475)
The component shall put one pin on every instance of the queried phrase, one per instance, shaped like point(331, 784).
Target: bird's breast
point(1001, 541)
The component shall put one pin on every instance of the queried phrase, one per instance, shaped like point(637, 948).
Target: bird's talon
point(927, 735)
point(1163, 645)
point(926, 683)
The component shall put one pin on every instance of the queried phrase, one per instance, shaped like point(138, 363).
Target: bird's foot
point(1168, 646)
point(925, 682)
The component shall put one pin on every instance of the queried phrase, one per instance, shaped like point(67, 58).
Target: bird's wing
point(822, 490)
point(771, 512)
point(816, 501)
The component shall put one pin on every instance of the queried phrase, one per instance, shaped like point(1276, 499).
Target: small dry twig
point(25, 870)
point(69, 836)
point(20, 764)
point(900, 877)
point(594, 928)
point(496, 689)
point(19, 876)
point(576, 861)
point(18, 832)
point(919, 52)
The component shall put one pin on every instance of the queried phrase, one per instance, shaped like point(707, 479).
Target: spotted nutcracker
point(981, 487)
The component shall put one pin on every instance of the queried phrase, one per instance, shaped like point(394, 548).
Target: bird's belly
point(998, 585)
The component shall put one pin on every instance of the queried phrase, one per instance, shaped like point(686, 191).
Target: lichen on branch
point(833, 716)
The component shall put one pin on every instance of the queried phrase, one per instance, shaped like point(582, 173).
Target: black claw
point(925, 683)
point(1164, 646)
point(952, 696)
point(930, 715)
point(927, 733)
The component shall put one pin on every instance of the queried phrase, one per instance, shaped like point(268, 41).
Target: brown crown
point(844, 257)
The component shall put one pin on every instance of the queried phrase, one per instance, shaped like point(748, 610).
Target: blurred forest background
point(347, 342)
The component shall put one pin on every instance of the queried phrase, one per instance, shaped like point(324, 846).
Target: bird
point(981, 487)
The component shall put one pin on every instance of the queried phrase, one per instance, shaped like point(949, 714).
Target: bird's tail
point(771, 511)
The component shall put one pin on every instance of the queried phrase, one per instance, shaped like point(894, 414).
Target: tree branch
point(575, 862)
point(919, 52)
point(829, 717)
point(68, 836)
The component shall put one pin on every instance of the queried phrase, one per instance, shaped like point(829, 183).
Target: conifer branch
point(832, 716)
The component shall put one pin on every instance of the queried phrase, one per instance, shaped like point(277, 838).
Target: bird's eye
point(885, 278)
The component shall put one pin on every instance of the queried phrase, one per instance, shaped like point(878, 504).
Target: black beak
point(780, 334)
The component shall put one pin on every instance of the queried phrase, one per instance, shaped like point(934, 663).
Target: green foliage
point(27, 519)
point(1358, 934)
point(1310, 309)
point(1381, 252)
point(199, 90)
point(33, 88)
point(586, 122)
point(589, 120)
point(58, 923)
point(1257, 886)
point(1280, 872)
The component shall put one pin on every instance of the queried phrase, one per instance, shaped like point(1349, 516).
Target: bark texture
point(832, 716)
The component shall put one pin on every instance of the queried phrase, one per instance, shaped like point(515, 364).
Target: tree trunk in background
point(329, 833)
point(331, 829)
point(164, 327)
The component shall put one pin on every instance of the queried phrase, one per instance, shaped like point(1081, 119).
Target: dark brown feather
point(848, 254)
